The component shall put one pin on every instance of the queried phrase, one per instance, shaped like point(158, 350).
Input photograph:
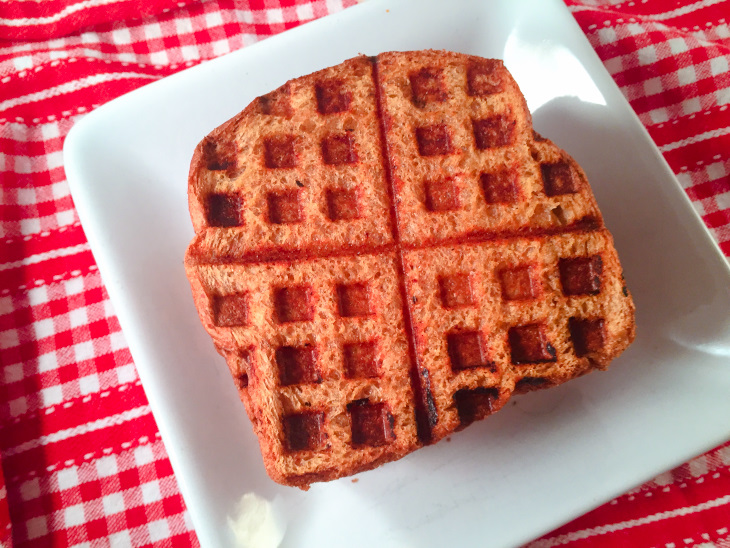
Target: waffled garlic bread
point(385, 251)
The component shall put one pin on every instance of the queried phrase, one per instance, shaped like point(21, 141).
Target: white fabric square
point(50, 131)
point(23, 164)
point(9, 338)
point(78, 317)
point(152, 31)
point(38, 295)
point(151, 492)
point(189, 53)
point(30, 226)
point(184, 25)
point(60, 190)
point(117, 341)
point(690, 106)
point(723, 96)
point(221, 47)
point(716, 171)
point(74, 286)
point(121, 36)
point(724, 454)
point(723, 200)
point(126, 374)
point(53, 395)
point(89, 384)
point(25, 196)
point(607, 35)
point(686, 76)
point(106, 466)
point(36, 527)
point(305, 11)
point(677, 45)
point(64, 218)
point(614, 65)
point(634, 29)
point(47, 362)
point(84, 351)
point(158, 530)
point(698, 467)
point(74, 515)
point(43, 328)
point(159, 58)
point(113, 504)
point(213, 19)
point(30, 489)
point(120, 540)
point(143, 455)
point(54, 159)
point(68, 478)
point(13, 373)
point(334, 5)
point(718, 65)
point(652, 86)
point(17, 406)
point(274, 15)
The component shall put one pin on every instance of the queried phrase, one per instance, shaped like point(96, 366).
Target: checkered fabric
point(82, 460)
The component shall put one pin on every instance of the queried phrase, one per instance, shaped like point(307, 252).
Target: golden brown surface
point(385, 252)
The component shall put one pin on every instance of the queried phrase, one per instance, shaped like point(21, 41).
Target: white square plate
point(545, 459)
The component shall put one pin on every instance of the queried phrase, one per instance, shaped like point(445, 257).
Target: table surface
point(82, 459)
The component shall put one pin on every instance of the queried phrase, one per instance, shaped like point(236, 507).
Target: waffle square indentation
point(500, 187)
point(293, 304)
point(353, 300)
point(276, 103)
point(342, 205)
point(433, 140)
point(456, 291)
point(297, 365)
point(588, 335)
point(427, 86)
point(223, 209)
point(466, 350)
point(475, 404)
point(243, 365)
point(559, 178)
point(493, 132)
point(304, 431)
point(284, 207)
point(530, 344)
point(361, 360)
point(218, 156)
point(372, 423)
point(332, 96)
point(441, 195)
point(230, 310)
point(280, 151)
point(484, 78)
point(338, 148)
point(581, 275)
point(518, 284)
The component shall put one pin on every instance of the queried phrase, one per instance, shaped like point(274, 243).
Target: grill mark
point(423, 428)
point(272, 256)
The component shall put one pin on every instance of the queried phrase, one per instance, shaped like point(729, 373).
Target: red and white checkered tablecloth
point(82, 460)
